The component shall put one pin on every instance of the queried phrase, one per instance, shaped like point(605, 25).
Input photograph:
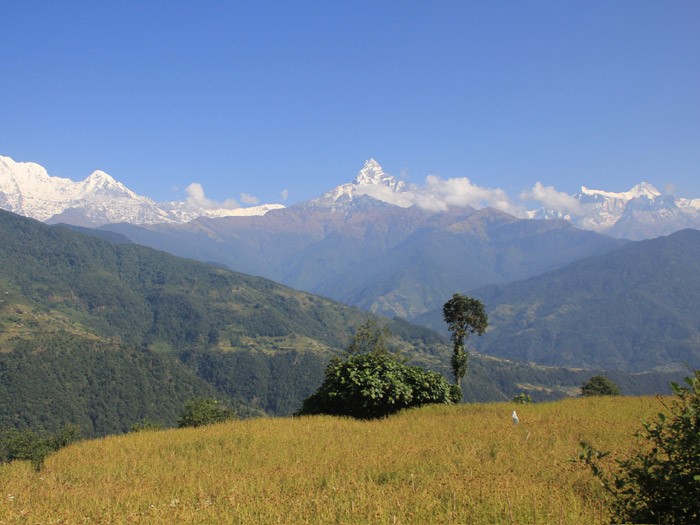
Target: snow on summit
point(643, 189)
point(641, 212)
point(370, 180)
point(27, 189)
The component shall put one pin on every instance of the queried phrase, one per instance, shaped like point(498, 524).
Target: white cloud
point(438, 194)
point(249, 199)
point(549, 197)
point(284, 195)
point(196, 199)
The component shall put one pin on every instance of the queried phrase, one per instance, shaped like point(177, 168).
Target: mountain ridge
point(631, 309)
point(27, 189)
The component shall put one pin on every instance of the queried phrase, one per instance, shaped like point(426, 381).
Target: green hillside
point(633, 309)
point(106, 334)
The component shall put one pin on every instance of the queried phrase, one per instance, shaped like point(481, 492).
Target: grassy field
point(467, 464)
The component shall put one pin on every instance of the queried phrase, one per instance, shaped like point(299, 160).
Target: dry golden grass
point(466, 464)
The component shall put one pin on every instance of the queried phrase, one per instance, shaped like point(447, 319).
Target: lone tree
point(464, 316)
point(372, 382)
point(599, 386)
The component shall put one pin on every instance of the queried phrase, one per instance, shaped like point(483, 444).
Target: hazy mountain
point(380, 257)
point(363, 243)
point(631, 309)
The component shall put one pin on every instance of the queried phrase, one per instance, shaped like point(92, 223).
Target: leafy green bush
point(374, 385)
point(199, 412)
point(34, 446)
point(599, 386)
point(661, 482)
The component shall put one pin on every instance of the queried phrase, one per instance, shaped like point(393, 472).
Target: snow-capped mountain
point(639, 213)
point(27, 189)
point(370, 180)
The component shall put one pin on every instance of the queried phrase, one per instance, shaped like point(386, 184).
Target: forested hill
point(134, 294)
point(632, 309)
point(81, 317)
point(105, 334)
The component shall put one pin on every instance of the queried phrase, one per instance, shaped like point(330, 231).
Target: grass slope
point(465, 464)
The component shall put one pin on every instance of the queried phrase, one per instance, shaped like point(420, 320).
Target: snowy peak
point(641, 212)
point(27, 189)
point(99, 178)
point(102, 183)
point(643, 189)
point(370, 180)
point(371, 173)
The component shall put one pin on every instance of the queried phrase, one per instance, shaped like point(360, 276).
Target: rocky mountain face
point(370, 177)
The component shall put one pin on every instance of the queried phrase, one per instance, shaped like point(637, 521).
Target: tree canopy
point(464, 316)
point(600, 386)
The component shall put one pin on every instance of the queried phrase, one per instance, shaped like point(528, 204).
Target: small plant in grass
point(661, 482)
point(522, 399)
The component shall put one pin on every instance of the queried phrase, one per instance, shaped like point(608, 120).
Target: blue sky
point(260, 97)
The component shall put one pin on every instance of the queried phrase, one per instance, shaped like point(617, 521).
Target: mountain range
point(27, 189)
point(382, 258)
point(359, 243)
point(642, 212)
point(104, 333)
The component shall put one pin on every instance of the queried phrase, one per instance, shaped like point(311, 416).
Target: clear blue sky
point(258, 97)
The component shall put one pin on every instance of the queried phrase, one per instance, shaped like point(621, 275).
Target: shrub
point(35, 445)
point(599, 386)
point(661, 482)
point(522, 399)
point(204, 411)
point(374, 385)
